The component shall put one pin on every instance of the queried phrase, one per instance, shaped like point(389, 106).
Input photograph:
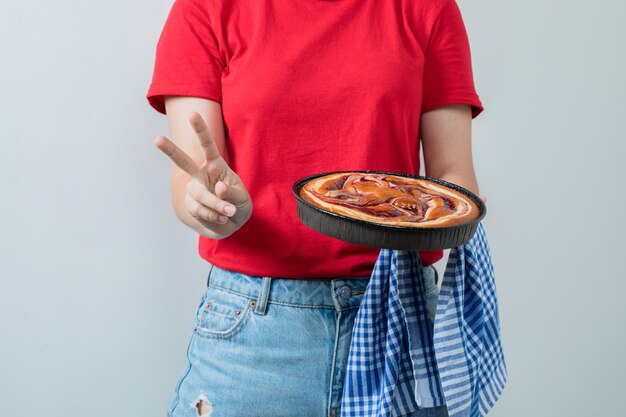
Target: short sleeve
point(448, 77)
point(188, 62)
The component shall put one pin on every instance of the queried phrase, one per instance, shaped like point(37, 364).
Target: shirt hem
point(435, 256)
point(157, 92)
point(470, 99)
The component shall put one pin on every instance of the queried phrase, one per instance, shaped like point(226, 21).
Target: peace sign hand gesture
point(215, 196)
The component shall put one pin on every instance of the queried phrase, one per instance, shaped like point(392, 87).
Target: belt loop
point(208, 278)
point(264, 295)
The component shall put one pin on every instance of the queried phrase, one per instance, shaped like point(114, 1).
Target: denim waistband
point(339, 293)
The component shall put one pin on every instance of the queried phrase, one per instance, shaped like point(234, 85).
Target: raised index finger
point(207, 142)
point(180, 158)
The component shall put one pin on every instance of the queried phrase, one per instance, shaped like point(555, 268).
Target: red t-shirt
point(309, 87)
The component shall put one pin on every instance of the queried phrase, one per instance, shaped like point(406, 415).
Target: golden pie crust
point(390, 199)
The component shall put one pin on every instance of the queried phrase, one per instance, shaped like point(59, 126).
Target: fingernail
point(229, 210)
point(222, 219)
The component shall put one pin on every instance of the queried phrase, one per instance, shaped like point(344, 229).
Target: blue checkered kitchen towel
point(399, 365)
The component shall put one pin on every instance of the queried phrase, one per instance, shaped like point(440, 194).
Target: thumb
point(235, 194)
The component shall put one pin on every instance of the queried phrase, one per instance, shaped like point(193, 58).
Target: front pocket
point(222, 314)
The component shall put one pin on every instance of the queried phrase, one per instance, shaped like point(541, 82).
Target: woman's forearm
point(446, 140)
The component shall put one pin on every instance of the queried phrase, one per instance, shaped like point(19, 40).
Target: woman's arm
point(203, 186)
point(446, 139)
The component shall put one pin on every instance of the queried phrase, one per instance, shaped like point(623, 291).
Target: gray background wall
point(99, 281)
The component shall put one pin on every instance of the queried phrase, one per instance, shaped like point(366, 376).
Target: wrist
point(465, 181)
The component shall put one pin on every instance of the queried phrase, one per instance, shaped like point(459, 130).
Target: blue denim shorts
point(270, 347)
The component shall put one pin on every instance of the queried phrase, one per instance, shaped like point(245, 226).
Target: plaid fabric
point(400, 364)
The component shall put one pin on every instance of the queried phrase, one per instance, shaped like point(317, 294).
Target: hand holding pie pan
point(388, 210)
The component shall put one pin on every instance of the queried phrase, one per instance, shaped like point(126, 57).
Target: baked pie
point(390, 199)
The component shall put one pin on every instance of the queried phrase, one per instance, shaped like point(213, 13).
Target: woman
point(258, 95)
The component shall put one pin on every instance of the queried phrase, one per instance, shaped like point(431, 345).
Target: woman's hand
point(215, 195)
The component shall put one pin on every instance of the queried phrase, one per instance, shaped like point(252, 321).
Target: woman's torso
point(310, 87)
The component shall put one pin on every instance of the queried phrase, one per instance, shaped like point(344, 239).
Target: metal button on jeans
point(345, 292)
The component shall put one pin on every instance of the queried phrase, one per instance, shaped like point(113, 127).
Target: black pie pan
point(385, 236)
